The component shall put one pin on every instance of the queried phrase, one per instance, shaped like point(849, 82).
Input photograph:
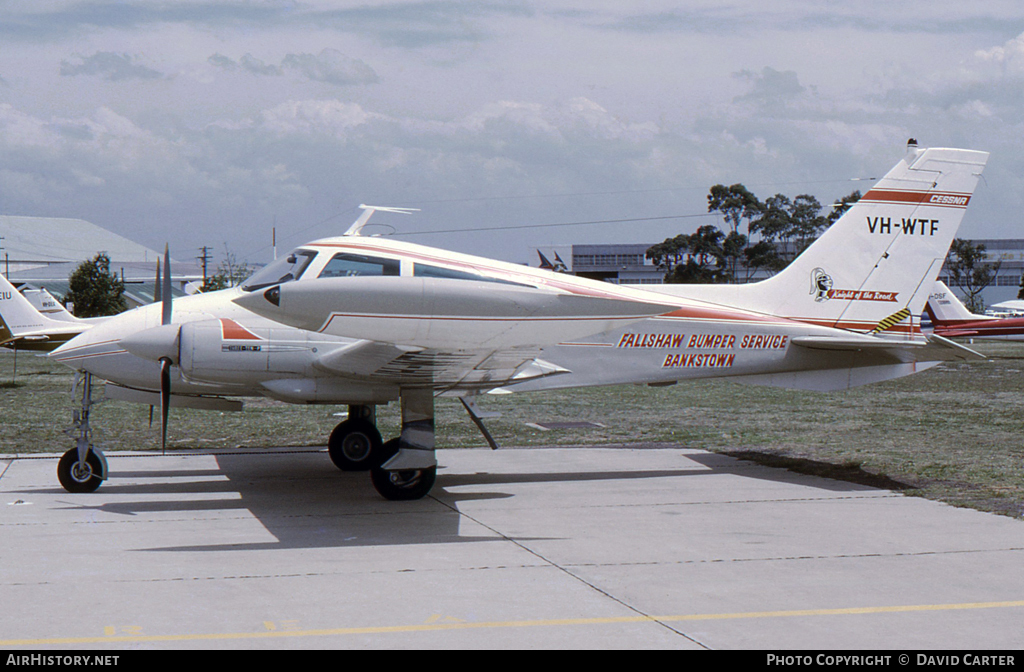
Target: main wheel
point(79, 478)
point(404, 485)
point(355, 445)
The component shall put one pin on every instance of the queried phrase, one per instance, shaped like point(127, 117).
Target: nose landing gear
point(83, 468)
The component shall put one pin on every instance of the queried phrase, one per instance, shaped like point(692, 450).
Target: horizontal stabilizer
point(935, 348)
point(964, 352)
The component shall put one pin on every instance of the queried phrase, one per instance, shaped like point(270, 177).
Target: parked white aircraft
point(1011, 308)
point(951, 319)
point(365, 321)
point(24, 327)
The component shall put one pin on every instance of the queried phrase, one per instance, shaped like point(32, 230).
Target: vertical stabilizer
point(878, 263)
point(22, 322)
point(883, 255)
point(945, 309)
point(19, 314)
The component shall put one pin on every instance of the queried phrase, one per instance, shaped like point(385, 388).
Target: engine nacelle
point(222, 351)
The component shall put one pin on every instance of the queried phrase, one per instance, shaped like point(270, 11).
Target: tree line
point(777, 230)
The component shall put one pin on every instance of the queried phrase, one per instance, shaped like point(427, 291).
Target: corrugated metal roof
point(50, 240)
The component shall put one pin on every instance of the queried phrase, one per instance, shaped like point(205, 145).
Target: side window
point(344, 265)
point(428, 271)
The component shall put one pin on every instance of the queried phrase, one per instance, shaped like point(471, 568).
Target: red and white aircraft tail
point(875, 267)
point(946, 310)
point(951, 319)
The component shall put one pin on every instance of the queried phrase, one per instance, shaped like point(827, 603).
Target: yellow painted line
point(434, 626)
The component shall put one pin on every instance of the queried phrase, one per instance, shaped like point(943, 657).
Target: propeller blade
point(157, 296)
point(166, 289)
point(165, 399)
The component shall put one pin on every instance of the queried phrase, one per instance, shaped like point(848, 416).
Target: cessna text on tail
point(365, 321)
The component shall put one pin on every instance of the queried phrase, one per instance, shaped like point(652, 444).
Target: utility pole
point(204, 257)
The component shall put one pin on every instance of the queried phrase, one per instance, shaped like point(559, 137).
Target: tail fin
point(880, 259)
point(945, 309)
point(43, 301)
point(21, 318)
point(5, 332)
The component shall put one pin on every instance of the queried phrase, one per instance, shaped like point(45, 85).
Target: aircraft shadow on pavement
point(305, 502)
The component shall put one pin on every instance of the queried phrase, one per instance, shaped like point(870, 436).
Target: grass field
point(953, 433)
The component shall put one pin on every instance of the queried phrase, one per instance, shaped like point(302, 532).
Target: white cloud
point(332, 67)
point(108, 65)
point(1010, 55)
point(329, 66)
point(331, 117)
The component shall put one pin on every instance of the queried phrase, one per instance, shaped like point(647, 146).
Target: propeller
point(156, 285)
point(160, 344)
point(165, 400)
point(157, 296)
point(164, 291)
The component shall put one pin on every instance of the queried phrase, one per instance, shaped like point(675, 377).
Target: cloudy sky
point(208, 122)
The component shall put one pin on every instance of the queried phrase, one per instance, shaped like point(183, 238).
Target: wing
point(377, 362)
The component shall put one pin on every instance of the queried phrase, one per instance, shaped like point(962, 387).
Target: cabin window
point(345, 265)
point(282, 270)
point(428, 271)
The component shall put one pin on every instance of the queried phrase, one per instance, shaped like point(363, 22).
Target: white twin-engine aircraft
point(365, 321)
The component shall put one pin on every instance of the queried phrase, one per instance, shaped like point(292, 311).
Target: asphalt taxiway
point(618, 547)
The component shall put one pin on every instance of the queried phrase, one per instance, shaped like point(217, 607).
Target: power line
point(336, 215)
point(544, 226)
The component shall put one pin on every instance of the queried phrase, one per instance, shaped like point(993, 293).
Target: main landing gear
point(403, 468)
point(355, 444)
point(84, 467)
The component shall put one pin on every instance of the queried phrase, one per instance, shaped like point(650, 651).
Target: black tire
point(355, 445)
point(401, 486)
point(78, 480)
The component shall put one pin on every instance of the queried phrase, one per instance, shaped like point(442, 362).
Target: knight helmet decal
point(821, 283)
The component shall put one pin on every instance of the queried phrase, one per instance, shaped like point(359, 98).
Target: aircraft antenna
point(368, 211)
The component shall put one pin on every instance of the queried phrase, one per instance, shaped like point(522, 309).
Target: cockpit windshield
point(283, 270)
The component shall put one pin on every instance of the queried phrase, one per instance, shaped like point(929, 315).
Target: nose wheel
point(83, 468)
point(79, 477)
